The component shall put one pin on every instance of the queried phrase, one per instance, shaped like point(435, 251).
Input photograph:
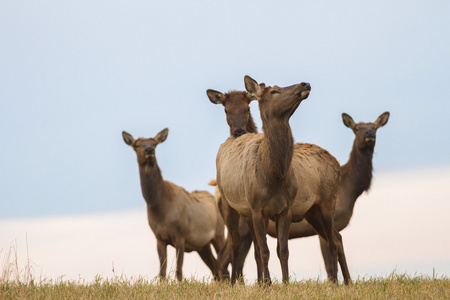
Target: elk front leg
point(162, 253)
point(341, 257)
point(282, 223)
point(180, 258)
point(232, 223)
point(259, 265)
point(261, 239)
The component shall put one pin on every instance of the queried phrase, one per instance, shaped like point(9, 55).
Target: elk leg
point(328, 221)
point(208, 258)
point(259, 266)
point(341, 256)
point(326, 255)
point(323, 225)
point(244, 248)
point(162, 253)
point(261, 239)
point(232, 222)
point(180, 257)
point(224, 258)
point(282, 224)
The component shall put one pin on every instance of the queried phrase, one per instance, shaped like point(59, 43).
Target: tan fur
point(318, 176)
point(186, 221)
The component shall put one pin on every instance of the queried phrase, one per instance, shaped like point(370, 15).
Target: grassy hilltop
point(394, 286)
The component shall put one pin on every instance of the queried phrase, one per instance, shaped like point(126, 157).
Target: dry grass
point(20, 284)
point(395, 286)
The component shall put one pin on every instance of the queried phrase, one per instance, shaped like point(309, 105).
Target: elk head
point(365, 132)
point(145, 148)
point(279, 102)
point(237, 109)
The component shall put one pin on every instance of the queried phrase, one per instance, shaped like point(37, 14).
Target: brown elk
point(315, 173)
point(186, 221)
point(356, 179)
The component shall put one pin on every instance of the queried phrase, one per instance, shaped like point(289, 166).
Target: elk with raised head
point(186, 221)
point(323, 192)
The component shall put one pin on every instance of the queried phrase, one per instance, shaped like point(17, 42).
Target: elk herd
point(265, 184)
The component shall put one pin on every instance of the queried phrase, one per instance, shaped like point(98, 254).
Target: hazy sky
point(73, 75)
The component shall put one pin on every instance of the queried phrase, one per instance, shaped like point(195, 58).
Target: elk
point(237, 111)
point(356, 179)
point(270, 170)
point(187, 221)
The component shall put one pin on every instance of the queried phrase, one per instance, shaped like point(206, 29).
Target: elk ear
point(253, 87)
point(128, 138)
point(348, 121)
point(162, 135)
point(382, 120)
point(215, 96)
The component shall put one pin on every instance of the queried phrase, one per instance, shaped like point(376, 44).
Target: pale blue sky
point(73, 75)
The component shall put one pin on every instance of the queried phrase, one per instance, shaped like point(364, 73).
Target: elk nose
point(306, 85)
point(149, 151)
point(370, 134)
point(239, 132)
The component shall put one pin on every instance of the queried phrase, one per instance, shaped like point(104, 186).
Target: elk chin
point(370, 141)
point(303, 94)
point(149, 156)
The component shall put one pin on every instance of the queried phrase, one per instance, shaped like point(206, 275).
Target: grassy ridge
point(394, 287)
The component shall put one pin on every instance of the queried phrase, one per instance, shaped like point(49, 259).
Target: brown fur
point(186, 221)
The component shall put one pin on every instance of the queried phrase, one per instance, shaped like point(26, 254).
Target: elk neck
point(152, 183)
point(276, 149)
point(357, 172)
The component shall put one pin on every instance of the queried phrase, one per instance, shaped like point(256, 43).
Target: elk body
point(319, 178)
point(186, 221)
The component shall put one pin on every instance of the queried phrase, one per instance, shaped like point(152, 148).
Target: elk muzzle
point(149, 151)
point(304, 93)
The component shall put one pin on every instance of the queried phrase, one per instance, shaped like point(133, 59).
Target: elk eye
point(274, 92)
point(248, 109)
point(226, 111)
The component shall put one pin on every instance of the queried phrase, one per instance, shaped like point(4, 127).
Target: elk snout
point(306, 85)
point(370, 136)
point(239, 132)
point(304, 93)
point(149, 151)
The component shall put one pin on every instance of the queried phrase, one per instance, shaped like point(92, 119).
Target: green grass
point(396, 286)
